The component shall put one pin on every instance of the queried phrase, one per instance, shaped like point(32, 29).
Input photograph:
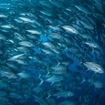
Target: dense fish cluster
point(52, 52)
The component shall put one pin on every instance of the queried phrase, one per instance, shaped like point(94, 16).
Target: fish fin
point(47, 74)
point(83, 80)
point(41, 81)
point(52, 83)
point(48, 96)
point(93, 51)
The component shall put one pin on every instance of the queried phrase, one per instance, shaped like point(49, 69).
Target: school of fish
point(52, 52)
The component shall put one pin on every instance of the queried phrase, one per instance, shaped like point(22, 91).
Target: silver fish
point(94, 67)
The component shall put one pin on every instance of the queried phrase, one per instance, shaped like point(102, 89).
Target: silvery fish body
point(64, 94)
point(94, 67)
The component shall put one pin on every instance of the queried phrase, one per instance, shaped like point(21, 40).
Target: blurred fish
point(40, 100)
point(15, 57)
point(27, 20)
point(24, 75)
point(6, 26)
point(38, 89)
point(92, 44)
point(3, 15)
point(56, 36)
point(8, 74)
point(33, 32)
point(98, 84)
point(26, 44)
point(83, 9)
point(59, 69)
point(54, 78)
point(94, 67)
point(64, 94)
point(70, 29)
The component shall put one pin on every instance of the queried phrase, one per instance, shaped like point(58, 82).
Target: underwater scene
point(52, 52)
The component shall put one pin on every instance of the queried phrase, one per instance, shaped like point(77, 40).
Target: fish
point(40, 100)
point(48, 45)
point(6, 26)
point(82, 8)
point(56, 36)
point(17, 96)
point(64, 94)
point(2, 15)
point(26, 44)
point(23, 75)
point(98, 84)
point(94, 67)
point(70, 29)
point(15, 57)
point(92, 44)
point(33, 32)
point(54, 78)
point(8, 74)
point(38, 89)
point(27, 20)
point(59, 69)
